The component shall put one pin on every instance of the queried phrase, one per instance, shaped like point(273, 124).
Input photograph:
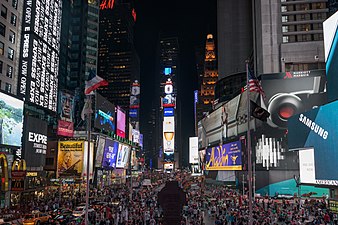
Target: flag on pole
point(87, 108)
point(94, 82)
point(255, 84)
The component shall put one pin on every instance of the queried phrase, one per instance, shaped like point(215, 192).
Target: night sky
point(191, 20)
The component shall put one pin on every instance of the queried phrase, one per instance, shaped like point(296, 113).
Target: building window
point(284, 19)
point(8, 87)
point(11, 36)
point(285, 29)
point(13, 19)
point(1, 65)
point(15, 4)
point(285, 39)
point(2, 48)
point(3, 11)
point(9, 71)
point(2, 29)
point(10, 54)
point(284, 8)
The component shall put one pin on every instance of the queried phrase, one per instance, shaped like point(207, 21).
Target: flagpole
point(249, 144)
point(89, 121)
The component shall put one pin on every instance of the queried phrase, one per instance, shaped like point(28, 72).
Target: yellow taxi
point(36, 218)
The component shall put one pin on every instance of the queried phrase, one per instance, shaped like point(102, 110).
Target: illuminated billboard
point(99, 151)
point(168, 134)
point(168, 101)
point(73, 160)
point(66, 114)
point(110, 154)
point(307, 166)
point(168, 112)
point(39, 55)
point(330, 28)
point(133, 113)
point(35, 141)
point(123, 156)
point(224, 157)
point(135, 95)
point(104, 114)
point(318, 129)
point(193, 150)
point(167, 71)
point(121, 122)
point(11, 120)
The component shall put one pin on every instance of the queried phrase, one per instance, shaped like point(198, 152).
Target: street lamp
point(298, 183)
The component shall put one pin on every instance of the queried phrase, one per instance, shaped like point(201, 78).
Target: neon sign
point(107, 4)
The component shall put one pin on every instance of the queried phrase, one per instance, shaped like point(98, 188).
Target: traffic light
point(258, 112)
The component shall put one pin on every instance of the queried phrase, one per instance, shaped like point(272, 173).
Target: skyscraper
point(209, 79)
point(169, 134)
point(118, 60)
point(10, 36)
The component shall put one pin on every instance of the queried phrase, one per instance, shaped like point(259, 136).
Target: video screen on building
point(135, 95)
point(39, 56)
point(99, 151)
point(168, 134)
point(168, 112)
point(121, 122)
point(123, 156)
point(104, 114)
point(224, 157)
point(66, 114)
point(35, 141)
point(169, 101)
point(11, 120)
point(110, 154)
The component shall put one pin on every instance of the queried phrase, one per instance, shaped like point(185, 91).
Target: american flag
point(255, 84)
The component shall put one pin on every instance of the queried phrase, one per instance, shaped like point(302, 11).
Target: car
point(81, 210)
point(60, 211)
point(36, 218)
point(284, 196)
point(62, 219)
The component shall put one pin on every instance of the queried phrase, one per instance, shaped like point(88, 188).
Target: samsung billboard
point(318, 129)
point(39, 55)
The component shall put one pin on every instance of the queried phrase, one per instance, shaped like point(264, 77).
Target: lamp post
point(298, 183)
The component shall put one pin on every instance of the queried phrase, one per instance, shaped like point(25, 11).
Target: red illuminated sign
point(133, 13)
point(107, 4)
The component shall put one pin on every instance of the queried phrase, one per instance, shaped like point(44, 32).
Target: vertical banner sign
point(121, 123)
point(99, 151)
point(66, 115)
point(193, 150)
point(195, 109)
point(168, 134)
point(39, 55)
point(35, 144)
point(110, 154)
point(134, 104)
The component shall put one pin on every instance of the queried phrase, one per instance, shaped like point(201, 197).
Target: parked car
point(81, 210)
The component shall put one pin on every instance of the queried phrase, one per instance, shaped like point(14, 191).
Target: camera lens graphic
point(282, 107)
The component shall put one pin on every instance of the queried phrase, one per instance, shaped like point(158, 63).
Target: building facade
point(10, 36)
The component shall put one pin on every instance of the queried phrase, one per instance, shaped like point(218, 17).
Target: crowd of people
point(205, 204)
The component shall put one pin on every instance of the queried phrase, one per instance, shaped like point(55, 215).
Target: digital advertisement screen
point(318, 129)
point(110, 154)
point(66, 114)
point(99, 151)
point(168, 134)
point(169, 157)
point(167, 71)
point(121, 123)
point(123, 156)
point(169, 101)
point(35, 142)
point(168, 112)
point(133, 113)
point(104, 114)
point(307, 166)
point(225, 157)
point(39, 56)
point(11, 120)
point(135, 95)
point(70, 158)
point(330, 28)
point(193, 150)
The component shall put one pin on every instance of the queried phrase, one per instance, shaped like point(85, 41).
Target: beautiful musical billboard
point(224, 157)
point(35, 141)
point(168, 134)
point(104, 114)
point(66, 114)
point(123, 156)
point(39, 55)
point(110, 154)
point(121, 122)
point(11, 120)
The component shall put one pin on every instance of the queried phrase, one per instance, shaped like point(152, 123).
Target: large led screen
point(99, 151)
point(123, 156)
point(39, 55)
point(169, 101)
point(104, 114)
point(318, 129)
point(70, 158)
point(121, 123)
point(135, 95)
point(224, 157)
point(193, 150)
point(35, 142)
point(330, 28)
point(307, 166)
point(110, 154)
point(168, 134)
point(11, 120)
point(66, 114)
